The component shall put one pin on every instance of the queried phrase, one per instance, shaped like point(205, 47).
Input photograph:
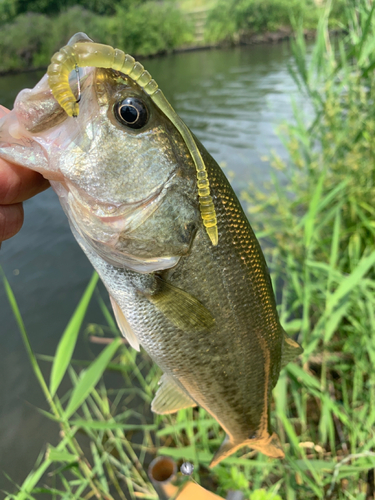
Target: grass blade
point(55, 455)
point(68, 340)
point(313, 210)
point(351, 281)
point(91, 377)
point(21, 326)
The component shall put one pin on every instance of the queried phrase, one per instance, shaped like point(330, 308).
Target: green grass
point(91, 411)
point(318, 228)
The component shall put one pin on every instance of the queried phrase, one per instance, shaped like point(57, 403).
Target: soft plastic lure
point(103, 56)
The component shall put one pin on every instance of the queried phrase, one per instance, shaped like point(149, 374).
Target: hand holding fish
point(17, 184)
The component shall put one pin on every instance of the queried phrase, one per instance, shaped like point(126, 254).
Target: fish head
point(121, 169)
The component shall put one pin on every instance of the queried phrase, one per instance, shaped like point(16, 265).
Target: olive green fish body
point(231, 367)
point(160, 223)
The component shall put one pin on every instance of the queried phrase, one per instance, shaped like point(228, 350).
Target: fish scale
point(206, 364)
point(162, 226)
point(238, 324)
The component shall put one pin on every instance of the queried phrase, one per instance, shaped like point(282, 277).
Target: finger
point(3, 111)
point(18, 184)
point(11, 220)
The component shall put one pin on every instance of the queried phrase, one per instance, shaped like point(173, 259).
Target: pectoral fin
point(291, 349)
point(124, 326)
point(181, 308)
point(170, 398)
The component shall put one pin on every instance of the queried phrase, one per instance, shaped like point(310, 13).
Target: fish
point(160, 223)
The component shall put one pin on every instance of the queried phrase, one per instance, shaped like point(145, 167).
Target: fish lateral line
point(86, 53)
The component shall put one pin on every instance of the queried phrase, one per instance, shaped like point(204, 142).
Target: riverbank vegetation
point(318, 226)
point(32, 30)
point(151, 28)
point(231, 19)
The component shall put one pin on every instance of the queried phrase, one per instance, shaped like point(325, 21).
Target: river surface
point(233, 100)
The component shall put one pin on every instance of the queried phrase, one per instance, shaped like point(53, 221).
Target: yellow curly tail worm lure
point(103, 56)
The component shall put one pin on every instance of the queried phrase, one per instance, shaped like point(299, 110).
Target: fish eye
point(131, 112)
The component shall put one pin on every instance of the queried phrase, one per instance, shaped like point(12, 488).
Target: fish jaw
point(104, 222)
point(101, 236)
point(269, 445)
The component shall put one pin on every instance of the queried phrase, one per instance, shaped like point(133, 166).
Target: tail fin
point(269, 445)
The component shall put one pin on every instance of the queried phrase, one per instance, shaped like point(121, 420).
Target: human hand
point(17, 184)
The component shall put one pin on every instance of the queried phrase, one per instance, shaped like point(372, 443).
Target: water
point(233, 100)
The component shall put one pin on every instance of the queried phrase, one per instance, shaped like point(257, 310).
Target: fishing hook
point(78, 83)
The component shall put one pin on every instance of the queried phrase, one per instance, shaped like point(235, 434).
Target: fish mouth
point(122, 214)
point(103, 221)
point(101, 225)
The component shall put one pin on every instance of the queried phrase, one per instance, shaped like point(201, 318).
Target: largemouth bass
point(158, 220)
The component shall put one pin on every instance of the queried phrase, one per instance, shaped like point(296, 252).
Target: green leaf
point(90, 377)
point(334, 320)
point(105, 425)
point(304, 377)
point(186, 453)
point(68, 340)
point(334, 247)
point(351, 281)
point(55, 455)
point(99, 471)
point(318, 465)
point(178, 427)
point(313, 210)
point(32, 479)
point(39, 470)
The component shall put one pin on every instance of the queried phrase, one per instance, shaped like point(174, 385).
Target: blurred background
point(280, 92)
